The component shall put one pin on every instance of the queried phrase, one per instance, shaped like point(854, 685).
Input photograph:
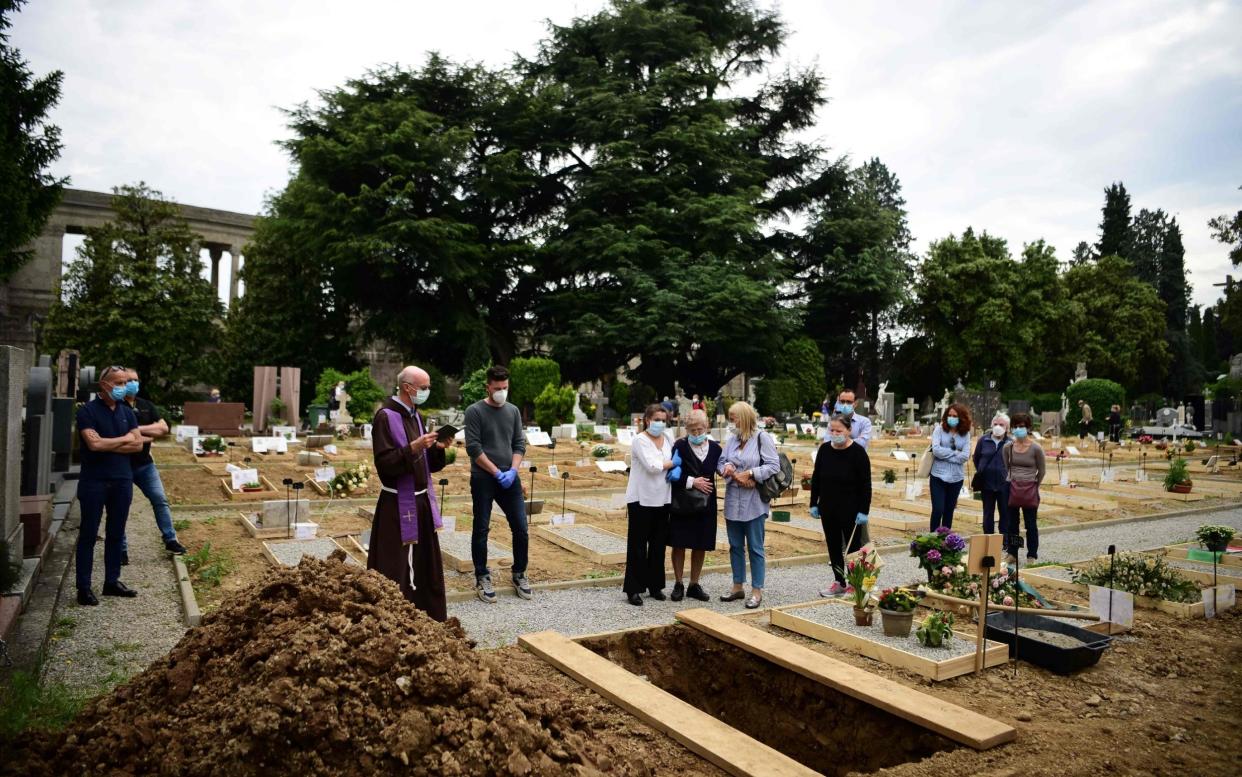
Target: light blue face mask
point(131, 388)
point(837, 439)
point(117, 393)
point(952, 421)
point(697, 439)
point(845, 408)
point(656, 428)
point(1020, 432)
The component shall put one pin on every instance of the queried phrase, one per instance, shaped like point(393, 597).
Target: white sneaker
point(483, 587)
point(522, 585)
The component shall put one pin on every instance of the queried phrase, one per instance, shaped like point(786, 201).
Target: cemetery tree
point(419, 191)
point(1123, 325)
point(1083, 253)
point(1147, 247)
point(801, 364)
point(1228, 230)
point(136, 296)
point(1116, 230)
point(1171, 282)
point(676, 158)
point(1045, 319)
point(28, 144)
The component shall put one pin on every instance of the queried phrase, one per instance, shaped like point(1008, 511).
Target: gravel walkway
point(592, 610)
point(94, 648)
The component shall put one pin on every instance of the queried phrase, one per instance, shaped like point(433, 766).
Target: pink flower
point(849, 589)
point(946, 571)
point(1007, 601)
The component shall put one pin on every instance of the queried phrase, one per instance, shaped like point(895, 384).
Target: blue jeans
point(1030, 516)
point(944, 502)
point(483, 491)
point(996, 502)
point(747, 537)
point(148, 481)
point(94, 496)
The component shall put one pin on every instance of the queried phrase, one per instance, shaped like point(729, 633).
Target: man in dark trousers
point(404, 546)
point(496, 444)
point(110, 434)
point(146, 476)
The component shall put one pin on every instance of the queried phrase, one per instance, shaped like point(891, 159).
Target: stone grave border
point(556, 538)
point(271, 557)
point(1180, 552)
point(253, 496)
point(189, 603)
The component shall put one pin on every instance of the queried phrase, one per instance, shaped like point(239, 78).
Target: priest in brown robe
point(404, 546)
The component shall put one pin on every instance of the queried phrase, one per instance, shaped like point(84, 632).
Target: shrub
point(276, 409)
point(364, 393)
point(890, 476)
point(1178, 473)
point(641, 395)
point(619, 397)
point(776, 395)
point(1142, 576)
point(529, 376)
point(1101, 394)
point(554, 406)
point(1049, 402)
point(438, 396)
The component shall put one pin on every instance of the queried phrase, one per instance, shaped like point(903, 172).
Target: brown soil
point(822, 728)
point(327, 670)
point(1164, 700)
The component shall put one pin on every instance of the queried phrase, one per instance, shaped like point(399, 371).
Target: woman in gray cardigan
point(1025, 461)
point(749, 458)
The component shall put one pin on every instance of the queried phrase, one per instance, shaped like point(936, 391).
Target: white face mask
point(500, 395)
point(421, 395)
point(998, 430)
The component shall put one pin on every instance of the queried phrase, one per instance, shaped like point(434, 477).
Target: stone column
point(12, 387)
point(216, 253)
point(235, 254)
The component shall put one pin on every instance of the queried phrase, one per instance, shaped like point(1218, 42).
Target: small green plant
point(181, 524)
point(1190, 446)
point(897, 600)
point(209, 566)
point(937, 629)
point(450, 455)
point(1141, 575)
point(1214, 537)
point(601, 451)
point(213, 444)
point(276, 408)
point(25, 704)
point(211, 521)
point(1178, 474)
point(890, 476)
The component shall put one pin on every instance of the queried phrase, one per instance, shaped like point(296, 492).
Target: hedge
point(529, 376)
point(1101, 394)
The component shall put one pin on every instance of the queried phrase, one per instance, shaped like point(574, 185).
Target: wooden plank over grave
point(726, 747)
point(943, 717)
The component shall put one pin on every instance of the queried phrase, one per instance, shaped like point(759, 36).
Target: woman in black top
point(1114, 424)
point(840, 496)
point(693, 513)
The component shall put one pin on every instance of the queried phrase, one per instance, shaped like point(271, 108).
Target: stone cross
point(910, 407)
point(342, 415)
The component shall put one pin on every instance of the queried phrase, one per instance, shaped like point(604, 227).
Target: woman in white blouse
point(647, 498)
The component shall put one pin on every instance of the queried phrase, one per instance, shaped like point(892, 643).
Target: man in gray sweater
point(495, 444)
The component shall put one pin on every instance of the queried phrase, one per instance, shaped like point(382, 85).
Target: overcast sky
point(1006, 116)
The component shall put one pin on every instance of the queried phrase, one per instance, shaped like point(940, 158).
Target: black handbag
point(976, 480)
point(690, 501)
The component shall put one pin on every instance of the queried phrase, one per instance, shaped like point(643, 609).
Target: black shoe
point(679, 592)
point(695, 591)
point(86, 598)
point(174, 547)
point(658, 595)
point(635, 600)
point(736, 596)
point(125, 558)
point(1031, 557)
point(118, 589)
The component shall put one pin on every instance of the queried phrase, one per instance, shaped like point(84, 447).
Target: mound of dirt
point(325, 669)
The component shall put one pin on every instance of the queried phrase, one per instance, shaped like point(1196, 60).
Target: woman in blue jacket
point(950, 450)
point(990, 469)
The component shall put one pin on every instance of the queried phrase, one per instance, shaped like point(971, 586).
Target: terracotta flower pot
point(1182, 488)
point(862, 617)
point(896, 624)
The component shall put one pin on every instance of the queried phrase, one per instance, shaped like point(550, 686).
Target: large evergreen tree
point(1116, 231)
point(28, 144)
point(1147, 245)
point(136, 296)
point(1228, 230)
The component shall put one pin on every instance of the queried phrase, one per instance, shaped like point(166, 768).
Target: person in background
point(647, 497)
point(950, 450)
point(692, 520)
point(826, 409)
point(1114, 424)
point(109, 431)
point(697, 404)
point(1025, 462)
point(669, 406)
point(214, 396)
point(146, 475)
point(860, 425)
point(496, 445)
point(749, 458)
point(334, 396)
point(1084, 421)
point(990, 469)
point(841, 496)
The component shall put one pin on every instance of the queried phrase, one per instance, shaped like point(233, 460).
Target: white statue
point(1181, 414)
point(342, 414)
point(881, 402)
point(1064, 407)
point(1080, 373)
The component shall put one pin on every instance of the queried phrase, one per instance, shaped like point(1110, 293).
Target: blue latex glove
point(673, 475)
point(814, 511)
point(506, 478)
point(860, 519)
point(500, 477)
point(676, 459)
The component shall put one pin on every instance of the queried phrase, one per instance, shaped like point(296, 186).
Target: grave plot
point(592, 542)
point(1184, 550)
point(609, 507)
point(833, 622)
point(895, 519)
point(455, 550)
point(289, 553)
point(1049, 497)
point(806, 528)
point(272, 520)
point(1061, 578)
point(265, 491)
point(1198, 571)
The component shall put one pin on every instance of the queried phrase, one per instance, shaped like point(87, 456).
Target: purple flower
point(933, 556)
point(914, 548)
point(955, 542)
point(943, 530)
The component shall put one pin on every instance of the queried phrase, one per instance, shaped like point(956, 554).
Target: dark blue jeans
point(996, 502)
point(94, 497)
point(944, 502)
point(1030, 516)
point(483, 491)
point(147, 478)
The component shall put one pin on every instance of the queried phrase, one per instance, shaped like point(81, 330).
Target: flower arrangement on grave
point(860, 576)
point(1162, 445)
point(897, 600)
point(1140, 575)
point(936, 550)
point(936, 630)
point(889, 476)
point(897, 611)
point(1144, 439)
point(1178, 476)
point(1213, 537)
point(352, 480)
point(1002, 587)
point(213, 446)
point(342, 431)
point(1190, 446)
point(601, 451)
point(253, 485)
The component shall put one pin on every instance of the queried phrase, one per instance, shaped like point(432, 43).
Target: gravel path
point(94, 648)
point(592, 610)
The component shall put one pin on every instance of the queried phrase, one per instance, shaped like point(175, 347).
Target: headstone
point(37, 447)
point(1197, 412)
point(62, 432)
point(317, 440)
point(87, 384)
point(684, 405)
point(309, 459)
point(291, 392)
point(982, 404)
point(264, 393)
point(342, 414)
point(67, 374)
point(1050, 423)
point(1080, 373)
point(1018, 406)
point(12, 387)
point(1235, 365)
point(910, 407)
point(1166, 416)
point(276, 512)
point(580, 417)
point(222, 418)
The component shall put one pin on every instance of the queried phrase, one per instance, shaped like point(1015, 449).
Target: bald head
point(413, 381)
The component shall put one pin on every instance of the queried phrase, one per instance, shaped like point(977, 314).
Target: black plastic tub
point(1062, 660)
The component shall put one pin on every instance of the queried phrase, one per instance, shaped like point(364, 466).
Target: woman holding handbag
point(749, 458)
point(950, 448)
point(1025, 461)
point(692, 523)
point(991, 478)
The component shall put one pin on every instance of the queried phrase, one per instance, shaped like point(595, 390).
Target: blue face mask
point(697, 439)
point(131, 388)
point(655, 428)
point(1020, 432)
point(845, 408)
point(837, 439)
point(117, 393)
point(952, 421)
